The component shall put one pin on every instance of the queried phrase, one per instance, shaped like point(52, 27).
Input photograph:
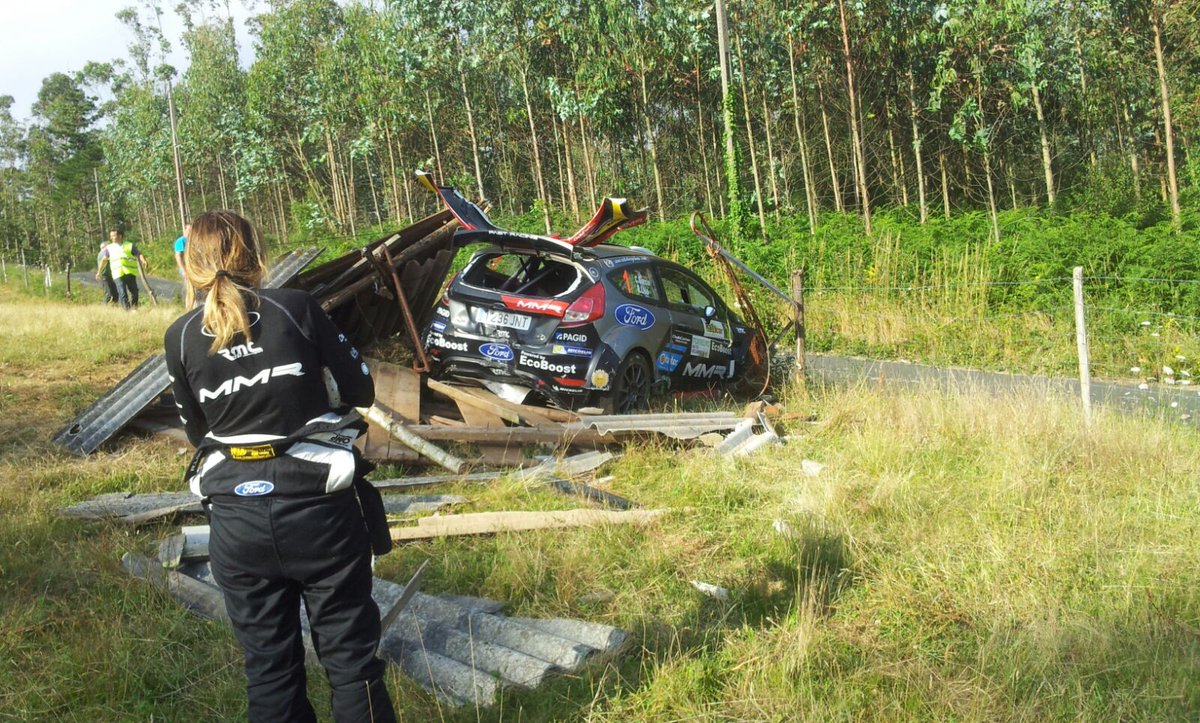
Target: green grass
point(959, 558)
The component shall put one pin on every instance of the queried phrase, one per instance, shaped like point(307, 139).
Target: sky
point(40, 37)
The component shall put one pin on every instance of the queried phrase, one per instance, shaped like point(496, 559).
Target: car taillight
point(586, 308)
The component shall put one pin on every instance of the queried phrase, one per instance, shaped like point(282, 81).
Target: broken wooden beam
point(413, 441)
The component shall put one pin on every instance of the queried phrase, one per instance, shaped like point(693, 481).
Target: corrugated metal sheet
point(688, 425)
point(100, 421)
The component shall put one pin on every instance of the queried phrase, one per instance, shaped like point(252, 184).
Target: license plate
point(492, 317)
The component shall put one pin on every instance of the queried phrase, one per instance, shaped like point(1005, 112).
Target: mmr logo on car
point(498, 352)
point(634, 315)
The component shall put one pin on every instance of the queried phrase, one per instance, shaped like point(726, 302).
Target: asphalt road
point(163, 288)
point(1173, 401)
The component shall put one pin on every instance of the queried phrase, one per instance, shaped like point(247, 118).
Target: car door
point(701, 344)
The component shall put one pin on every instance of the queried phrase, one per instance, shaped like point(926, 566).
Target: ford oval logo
point(499, 352)
point(634, 315)
point(255, 488)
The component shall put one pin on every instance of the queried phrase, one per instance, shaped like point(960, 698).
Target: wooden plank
point(503, 456)
point(533, 415)
point(482, 523)
point(475, 417)
point(462, 397)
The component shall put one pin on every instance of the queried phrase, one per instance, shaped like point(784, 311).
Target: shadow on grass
point(810, 567)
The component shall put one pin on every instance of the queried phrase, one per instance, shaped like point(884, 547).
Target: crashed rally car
point(578, 321)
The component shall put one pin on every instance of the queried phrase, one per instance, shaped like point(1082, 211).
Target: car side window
point(636, 282)
point(684, 292)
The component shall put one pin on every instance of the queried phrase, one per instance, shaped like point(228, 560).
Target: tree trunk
point(387, 139)
point(703, 142)
point(856, 137)
point(916, 144)
point(810, 201)
point(833, 175)
point(770, 154)
point(649, 131)
point(570, 163)
point(1133, 153)
point(462, 76)
point(537, 156)
point(758, 195)
point(589, 167)
point(945, 186)
point(897, 158)
point(732, 181)
point(437, 150)
point(1047, 168)
point(987, 166)
point(1172, 183)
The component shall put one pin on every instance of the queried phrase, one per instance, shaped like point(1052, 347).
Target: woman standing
point(275, 464)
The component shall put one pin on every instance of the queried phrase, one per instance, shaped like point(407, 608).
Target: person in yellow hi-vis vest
point(124, 260)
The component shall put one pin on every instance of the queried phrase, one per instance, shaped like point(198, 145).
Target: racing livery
point(577, 321)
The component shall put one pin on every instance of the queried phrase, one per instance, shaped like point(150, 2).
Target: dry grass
point(960, 557)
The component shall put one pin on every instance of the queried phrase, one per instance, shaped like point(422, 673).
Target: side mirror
point(710, 313)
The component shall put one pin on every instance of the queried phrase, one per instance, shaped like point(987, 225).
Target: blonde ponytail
point(224, 262)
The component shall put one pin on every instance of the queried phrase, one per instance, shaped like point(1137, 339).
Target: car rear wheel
point(631, 385)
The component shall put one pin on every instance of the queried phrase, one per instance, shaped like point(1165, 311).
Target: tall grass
point(960, 557)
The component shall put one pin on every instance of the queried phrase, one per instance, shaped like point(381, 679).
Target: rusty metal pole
point(798, 310)
point(421, 363)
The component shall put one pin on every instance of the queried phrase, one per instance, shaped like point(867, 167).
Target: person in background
point(277, 471)
point(180, 245)
point(124, 260)
point(110, 286)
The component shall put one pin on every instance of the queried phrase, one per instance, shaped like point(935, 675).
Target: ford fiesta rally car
point(576, 320)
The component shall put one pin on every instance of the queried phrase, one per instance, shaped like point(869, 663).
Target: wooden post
point(68, 277)
point(4, 268)
point(46, 280)
point(24, 270)
point(798, 300)
point(1081, 342)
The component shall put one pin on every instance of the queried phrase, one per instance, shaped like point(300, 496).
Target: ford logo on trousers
point(255, 488)
point(634, 315)
point(499, 352)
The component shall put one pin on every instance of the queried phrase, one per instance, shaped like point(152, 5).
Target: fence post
point(46, 280)
point(4, 268)
point(798, 310)
point(24, 269)
point(1081, 342)
point(67, 274)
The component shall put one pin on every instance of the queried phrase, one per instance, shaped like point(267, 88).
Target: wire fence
point(1140, 329)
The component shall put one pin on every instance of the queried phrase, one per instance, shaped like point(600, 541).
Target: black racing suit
point(275, 461)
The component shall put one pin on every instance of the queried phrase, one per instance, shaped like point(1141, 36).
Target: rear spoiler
point(614, 214)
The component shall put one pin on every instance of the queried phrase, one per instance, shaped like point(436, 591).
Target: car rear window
point(522, 274)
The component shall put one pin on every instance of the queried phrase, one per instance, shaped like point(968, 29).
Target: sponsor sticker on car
point(668, 361)
point(551, 307)
point(441, 342)
point(539, 362)
point(704, 371)
point(712, 327)
point(496, 352)
point(575, 336)
point(634, 315)
point(571, 350)
point(701, 347)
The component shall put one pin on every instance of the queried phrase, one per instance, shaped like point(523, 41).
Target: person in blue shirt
point(180, 245)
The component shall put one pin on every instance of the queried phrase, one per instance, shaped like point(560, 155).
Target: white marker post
point(1081, 342)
